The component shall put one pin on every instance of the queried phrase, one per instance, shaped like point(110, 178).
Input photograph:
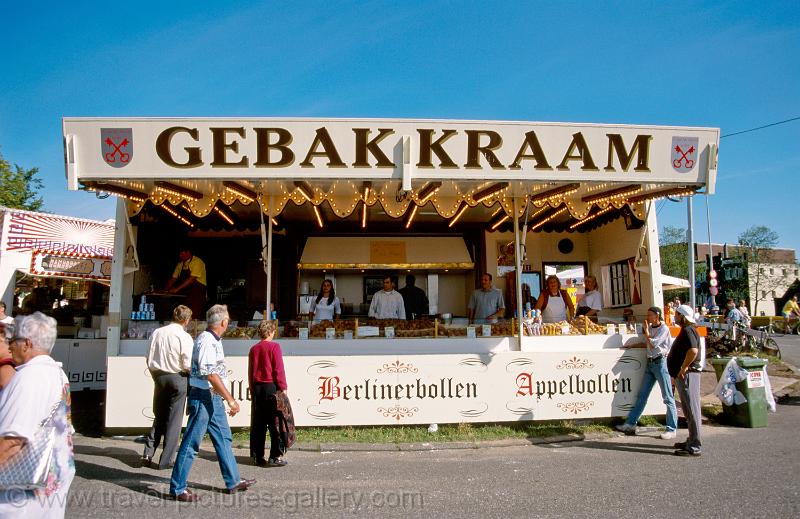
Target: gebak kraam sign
point(330, 148)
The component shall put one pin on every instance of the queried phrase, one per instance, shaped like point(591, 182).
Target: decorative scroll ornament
point(397, 367)
point(398, 412)
point(575, 363)
point(575, 407)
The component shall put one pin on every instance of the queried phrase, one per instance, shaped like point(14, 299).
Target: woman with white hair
point(38, 390)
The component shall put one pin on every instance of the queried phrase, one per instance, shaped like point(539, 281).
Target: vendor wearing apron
point(189, 279)
point(554, 302)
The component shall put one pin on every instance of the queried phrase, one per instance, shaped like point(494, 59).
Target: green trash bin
point(752, 413)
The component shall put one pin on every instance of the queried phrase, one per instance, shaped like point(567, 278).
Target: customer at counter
point(414, 298)
point(387, 303)
point(267, 377)
point(327, 305)
point(189, 279)
point(169, 360)
point(685, 364)
point(592, 301)
point(554, 302)
point(486, 303)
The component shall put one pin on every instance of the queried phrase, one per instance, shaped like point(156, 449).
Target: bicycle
point(762, 340)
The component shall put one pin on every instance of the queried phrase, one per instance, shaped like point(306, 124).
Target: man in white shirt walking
point(387, 303)
point(169, 360)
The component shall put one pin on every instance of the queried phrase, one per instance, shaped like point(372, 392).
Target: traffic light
point(715, 276)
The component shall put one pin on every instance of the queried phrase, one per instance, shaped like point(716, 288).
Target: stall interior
point(79, 305)
point(569, 229)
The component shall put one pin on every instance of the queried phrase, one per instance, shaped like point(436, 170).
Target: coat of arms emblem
point(116, 146)
point(684, 153)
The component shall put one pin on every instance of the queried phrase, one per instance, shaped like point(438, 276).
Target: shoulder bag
point(29, 468)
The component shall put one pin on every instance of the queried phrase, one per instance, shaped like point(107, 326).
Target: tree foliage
point(19, 187)
point(674, 252)
point(756, 241)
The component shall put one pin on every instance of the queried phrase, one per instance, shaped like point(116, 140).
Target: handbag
point(30, 467)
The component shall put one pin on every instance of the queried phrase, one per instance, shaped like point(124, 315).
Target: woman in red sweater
point(267, 376)
point(6, 362)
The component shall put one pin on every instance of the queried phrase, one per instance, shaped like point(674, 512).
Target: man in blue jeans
point(658, 341)
point(206, 410)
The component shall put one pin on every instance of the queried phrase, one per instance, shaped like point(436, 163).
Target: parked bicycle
point(762, 341)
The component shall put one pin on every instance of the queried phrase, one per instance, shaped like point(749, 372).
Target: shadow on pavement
point(138, 481)
point(639, 449)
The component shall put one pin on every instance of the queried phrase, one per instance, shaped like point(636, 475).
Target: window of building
point(763, 294)
point(771, 272)
point(619, 275)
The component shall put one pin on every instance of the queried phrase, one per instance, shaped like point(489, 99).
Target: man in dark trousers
point(414, 299)
point(169, 360)
point(685, 366)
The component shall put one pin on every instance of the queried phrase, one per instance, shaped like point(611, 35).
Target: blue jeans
point(656, 371)
point(206, 414)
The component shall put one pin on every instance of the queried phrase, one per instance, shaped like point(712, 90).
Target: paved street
point(790, 349)
point(743, 472)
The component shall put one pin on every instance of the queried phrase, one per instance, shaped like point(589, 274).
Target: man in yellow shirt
point(791, 313)
point(189, 279)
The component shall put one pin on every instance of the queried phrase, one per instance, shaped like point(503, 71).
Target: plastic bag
point(726, 387)
point(768, 389)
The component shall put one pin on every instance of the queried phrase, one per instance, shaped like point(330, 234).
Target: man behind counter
point(189, 279)
point(387, 303)
point(414, 298)
point(486, 303)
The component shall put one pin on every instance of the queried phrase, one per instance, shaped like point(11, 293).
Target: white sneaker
point(668, 435)
point(626, 428)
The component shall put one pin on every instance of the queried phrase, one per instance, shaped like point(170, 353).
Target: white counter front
point(370, 382)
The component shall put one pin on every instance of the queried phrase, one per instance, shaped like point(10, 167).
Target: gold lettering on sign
point(387, 252)
point(641, 147)
point(427, 145)
point(323, 139)
point(537, 153)
point(164, 141)
point(578, 150)
point(263, 147)
point(221, 147)
point(364, 147)
point(474, 148)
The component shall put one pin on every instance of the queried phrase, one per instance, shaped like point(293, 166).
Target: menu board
point(387, 251)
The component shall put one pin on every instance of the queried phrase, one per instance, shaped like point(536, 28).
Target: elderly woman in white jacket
point(38, 388)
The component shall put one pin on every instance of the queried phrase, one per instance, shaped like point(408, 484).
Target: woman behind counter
point(592, 301)
point(327, 304)
point(554, 302)
point(266, 376)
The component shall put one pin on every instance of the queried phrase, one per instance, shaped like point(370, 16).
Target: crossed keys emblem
point(683, 153)
point(111, 156)
point(116, 146)
point(684, 158)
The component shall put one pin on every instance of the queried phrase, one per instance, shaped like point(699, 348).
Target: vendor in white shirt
point(387, 303)
point(592, 301)
point(327, 305)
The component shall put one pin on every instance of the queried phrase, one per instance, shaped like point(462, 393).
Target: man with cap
point(189, 279)
point(685, 364)
point(657, 341)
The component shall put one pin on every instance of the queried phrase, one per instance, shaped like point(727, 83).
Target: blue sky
point(732, 65)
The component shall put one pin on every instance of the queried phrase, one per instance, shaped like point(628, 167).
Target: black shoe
point(241, 486)
point(680, 445)
point(146, 462)
point(684, 452)
point(277, 462)
point(259, 462)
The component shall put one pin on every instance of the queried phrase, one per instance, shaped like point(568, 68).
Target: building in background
point(764, 283)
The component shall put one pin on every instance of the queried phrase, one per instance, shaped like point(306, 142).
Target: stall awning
point(673, 283)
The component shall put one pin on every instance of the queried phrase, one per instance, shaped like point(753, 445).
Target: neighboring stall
point(274, 207)
point(61, 266)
